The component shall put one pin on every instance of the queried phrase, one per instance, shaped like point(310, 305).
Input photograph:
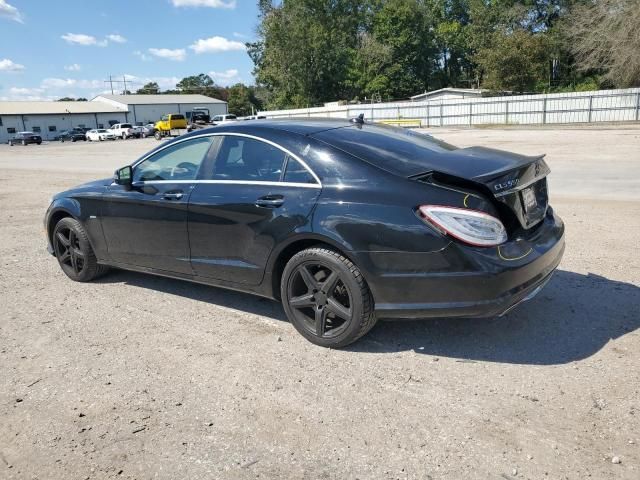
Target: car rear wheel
point(74, 253)
point(326, 298)
point(24, 143)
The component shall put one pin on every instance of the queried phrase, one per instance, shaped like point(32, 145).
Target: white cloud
point(51, 83)
point(73, 67)
point(163, 82)
point(142, 56)
point(240, 35)
point(25, 91)
point(10, 12)
point(82, 39)
point(7, 65)
point(177, 55)
point(228, 77)
point(216, 44)
point(115, 38)
point(205, 3)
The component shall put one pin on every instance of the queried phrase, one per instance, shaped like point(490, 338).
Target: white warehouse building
point(50, 118)
point(145, 109)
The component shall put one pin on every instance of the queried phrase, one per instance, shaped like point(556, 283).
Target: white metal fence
point(576, 107)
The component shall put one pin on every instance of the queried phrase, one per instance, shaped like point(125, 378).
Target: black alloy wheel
point(326, 298)
point(73, 251)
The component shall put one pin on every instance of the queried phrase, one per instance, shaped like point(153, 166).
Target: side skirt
point(258, 290)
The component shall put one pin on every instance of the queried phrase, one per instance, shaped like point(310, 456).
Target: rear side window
point(177, 117)
point(296, 173)
point(396, 150)
point(125, 125)
point(247, 159)
point(180, 161)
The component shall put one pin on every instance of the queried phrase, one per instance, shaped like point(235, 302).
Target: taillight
point(470, 226)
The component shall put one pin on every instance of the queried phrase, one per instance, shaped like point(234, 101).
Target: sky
point(52, 49)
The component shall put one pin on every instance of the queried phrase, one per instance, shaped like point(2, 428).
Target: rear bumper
point(463, 281)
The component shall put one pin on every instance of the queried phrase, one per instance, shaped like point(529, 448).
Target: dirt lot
point(142, 377)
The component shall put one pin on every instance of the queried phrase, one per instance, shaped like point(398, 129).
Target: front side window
point(177, 162)
point(241, 158)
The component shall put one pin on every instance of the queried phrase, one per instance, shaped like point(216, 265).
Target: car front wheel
point(74, 253)
point(326, 298)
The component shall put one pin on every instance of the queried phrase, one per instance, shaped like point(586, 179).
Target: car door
point(145, 225)
point(253, 195)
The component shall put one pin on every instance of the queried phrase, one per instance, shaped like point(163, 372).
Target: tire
point(24, 143)
point(330, 305)
point(11, 144)
point(124, 136)
point(73, 140)
point(39, 142)
point(158, 135)
point(74, 253)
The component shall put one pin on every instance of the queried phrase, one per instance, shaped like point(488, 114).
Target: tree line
point(312, 51)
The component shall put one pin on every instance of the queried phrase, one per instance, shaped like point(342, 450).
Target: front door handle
point(172, 195)
point(270, 201)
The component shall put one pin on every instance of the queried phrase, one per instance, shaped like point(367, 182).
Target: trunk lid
point(514, 181)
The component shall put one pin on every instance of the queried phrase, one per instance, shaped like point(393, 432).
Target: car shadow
point(571, 319)
point(198, 292)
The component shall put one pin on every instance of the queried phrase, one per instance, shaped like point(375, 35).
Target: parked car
point(344, 222)
point(99, 134)
point(122, 130)
point(148, 130)
point(25, 138)
point(71, 136)
point(220, 119)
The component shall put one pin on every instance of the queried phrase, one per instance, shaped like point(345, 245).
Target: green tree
point(241, 99)
point(515, 61)
point(149, 88)
point(202, 84)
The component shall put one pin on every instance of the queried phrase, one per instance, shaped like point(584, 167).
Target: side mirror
point(123, 176)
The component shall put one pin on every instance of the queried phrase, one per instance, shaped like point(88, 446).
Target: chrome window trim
point(240, 182)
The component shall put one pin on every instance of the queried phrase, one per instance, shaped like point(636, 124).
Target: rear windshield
point(395, 150)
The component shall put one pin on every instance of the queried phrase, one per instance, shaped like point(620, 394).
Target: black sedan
point(25, 138)
point(345, 222)
point(72, 136)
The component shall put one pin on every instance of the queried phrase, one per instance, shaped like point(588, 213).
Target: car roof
point(303, 126)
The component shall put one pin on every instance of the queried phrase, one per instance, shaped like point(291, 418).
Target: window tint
point(177, 162)
point(241, 158)
point(396, 150)
point(296, 173)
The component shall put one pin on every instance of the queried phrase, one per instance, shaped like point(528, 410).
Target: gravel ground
point(137, 376)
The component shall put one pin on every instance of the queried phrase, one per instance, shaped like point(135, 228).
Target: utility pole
point(111, 83)
point(124, 79)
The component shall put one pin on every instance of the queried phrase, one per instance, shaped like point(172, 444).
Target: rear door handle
point(172, 195)
point(270, 201)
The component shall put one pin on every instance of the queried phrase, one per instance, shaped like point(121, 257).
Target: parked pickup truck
point(170, 125)
point(122, 130)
